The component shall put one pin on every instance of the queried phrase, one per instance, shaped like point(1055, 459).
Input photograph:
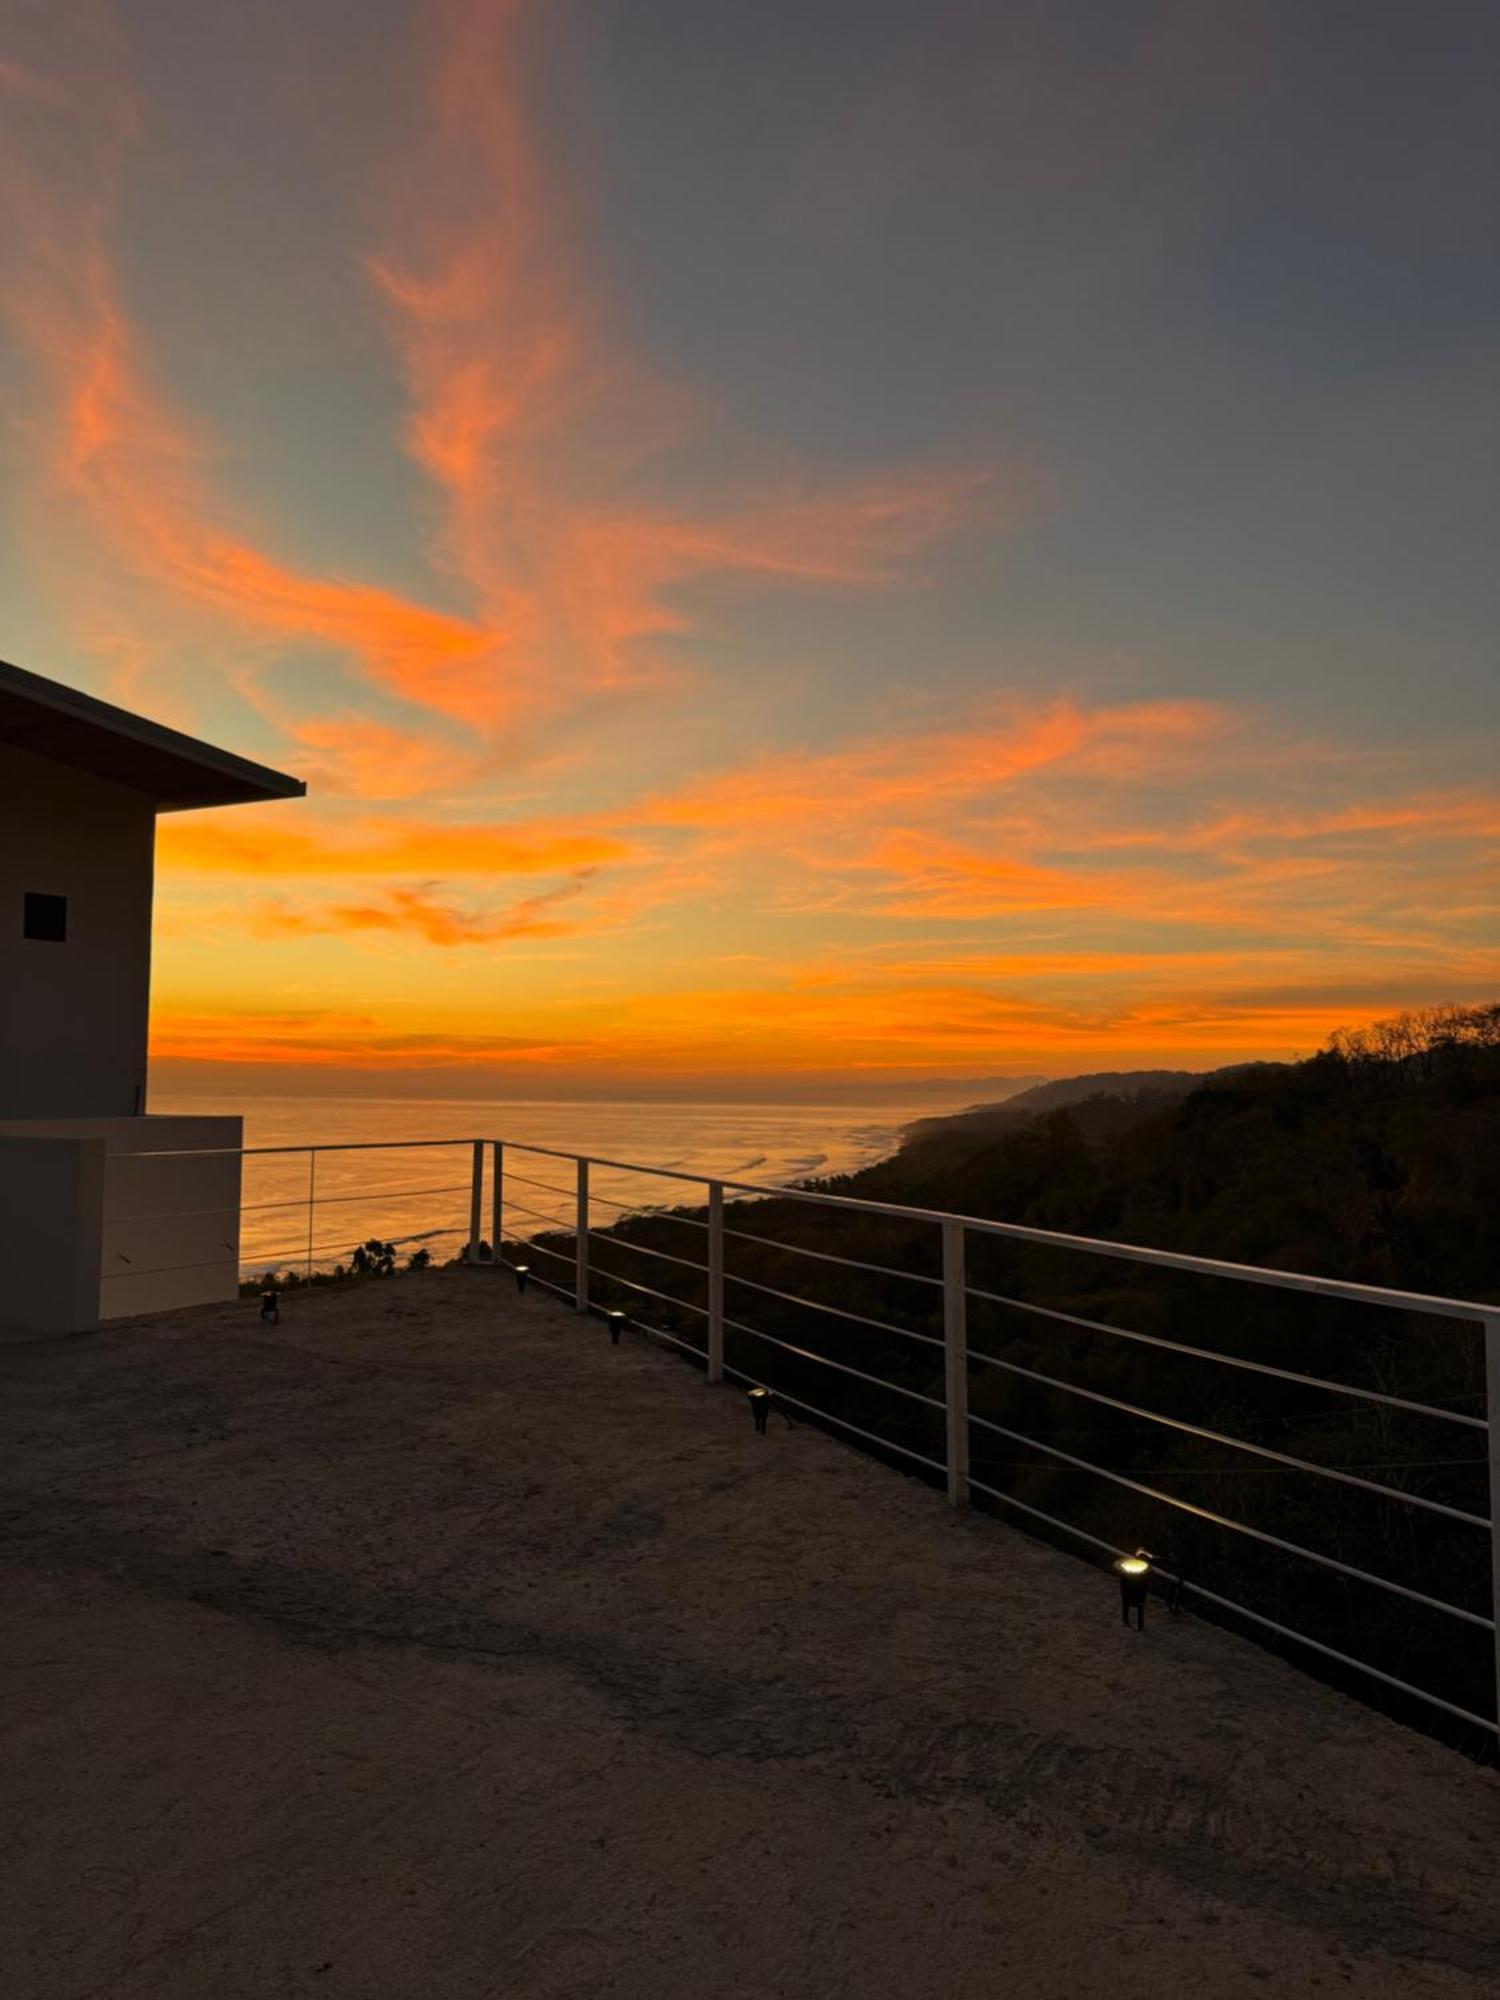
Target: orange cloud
point(353, 757)
point(1421, 817)
point(790, 794)
point(137, 470)
point(1173, 815)
point(18, 81)
point(285, 846)
point(123, 456)
point(531, 424)
point(419, 913)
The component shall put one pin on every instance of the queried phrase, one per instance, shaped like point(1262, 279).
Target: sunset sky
point(789, 539)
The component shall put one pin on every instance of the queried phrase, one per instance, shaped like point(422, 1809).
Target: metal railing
point(947, 1425)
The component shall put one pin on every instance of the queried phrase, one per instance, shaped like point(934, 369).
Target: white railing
point(480, 1232)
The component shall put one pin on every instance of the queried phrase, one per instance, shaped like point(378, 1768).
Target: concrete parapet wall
point(166, 1231)
point(171, 1226)
point(51, 1221)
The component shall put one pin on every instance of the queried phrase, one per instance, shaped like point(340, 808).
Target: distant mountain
point(1064, 1090)
point(1113, 1097)
point(1058, 1092)
point(964, 1091)
point(854, 1090)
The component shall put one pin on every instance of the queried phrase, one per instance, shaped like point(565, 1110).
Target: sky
point(823, 540)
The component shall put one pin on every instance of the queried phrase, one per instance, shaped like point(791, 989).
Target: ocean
point(421, 1197)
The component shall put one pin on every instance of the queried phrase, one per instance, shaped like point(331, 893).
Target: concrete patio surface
point(427, 1645)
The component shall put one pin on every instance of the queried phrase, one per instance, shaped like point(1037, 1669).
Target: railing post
point(582, 1238)
point(956, 1362)
point(1492, 1402)
point(497, 1197)
point(312, 1197)
point(715, 1281)
point(476, 1200)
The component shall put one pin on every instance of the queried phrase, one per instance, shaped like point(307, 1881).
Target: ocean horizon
point(420, 1199)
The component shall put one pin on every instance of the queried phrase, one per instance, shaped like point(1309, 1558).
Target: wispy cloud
point(536, 427)
point(422, 913)
point(865, 783)
point(111, 453)
point(1180, 814)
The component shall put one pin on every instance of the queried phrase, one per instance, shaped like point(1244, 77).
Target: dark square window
point(46, 918)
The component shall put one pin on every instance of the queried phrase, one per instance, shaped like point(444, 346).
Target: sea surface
point(382, 1175)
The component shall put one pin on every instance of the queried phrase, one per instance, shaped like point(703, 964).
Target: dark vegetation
point(1377, 1160)
point(371, 1259)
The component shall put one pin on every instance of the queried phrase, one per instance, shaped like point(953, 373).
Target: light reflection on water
point(418, 1197)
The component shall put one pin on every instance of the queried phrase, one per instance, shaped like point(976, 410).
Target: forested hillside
point(1378, 1159)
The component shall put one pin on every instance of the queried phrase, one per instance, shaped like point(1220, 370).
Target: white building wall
point(166, 1232)
point(73, 1015)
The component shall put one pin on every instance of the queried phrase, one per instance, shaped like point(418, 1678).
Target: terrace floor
point(426, 1645)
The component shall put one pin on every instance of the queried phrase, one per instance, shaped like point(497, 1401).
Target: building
point(84, 1226)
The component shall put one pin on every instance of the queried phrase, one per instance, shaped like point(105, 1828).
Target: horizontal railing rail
point(518, 1231)
point(1176, 1260)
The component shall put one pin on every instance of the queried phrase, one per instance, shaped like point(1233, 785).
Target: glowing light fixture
point(523, 1272)
point(615, 1321)
point(1134, 1573)
point(760, 1407)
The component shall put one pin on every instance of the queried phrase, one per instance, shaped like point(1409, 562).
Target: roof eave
point(204, 775)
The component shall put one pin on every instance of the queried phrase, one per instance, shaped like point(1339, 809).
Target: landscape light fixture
point(523, 1272)
point(760, 1407)
point(615, 1321)
point(1134, 1572)
point(270, 1307)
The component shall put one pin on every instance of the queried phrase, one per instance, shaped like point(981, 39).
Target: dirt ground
point(426, 1645)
